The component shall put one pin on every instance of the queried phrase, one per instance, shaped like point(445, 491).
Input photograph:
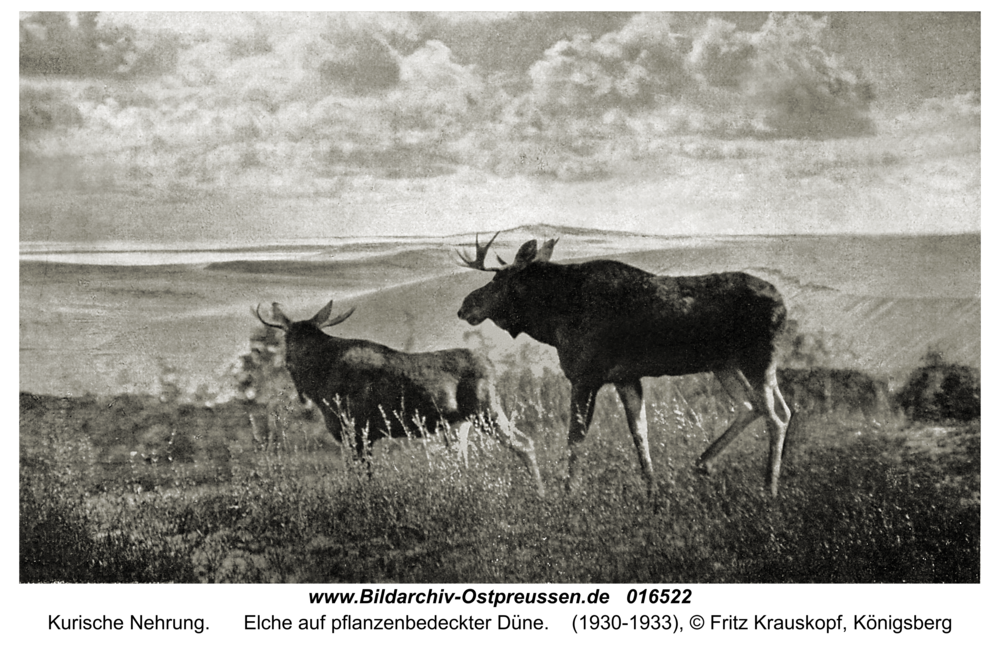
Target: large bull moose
point(384, 392)
point(614, 323)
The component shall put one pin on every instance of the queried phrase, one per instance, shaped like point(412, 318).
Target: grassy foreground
point(133, 490)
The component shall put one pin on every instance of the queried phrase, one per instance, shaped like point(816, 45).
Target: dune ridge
point(108, 329)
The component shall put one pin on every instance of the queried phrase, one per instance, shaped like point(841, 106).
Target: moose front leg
point(581, 413)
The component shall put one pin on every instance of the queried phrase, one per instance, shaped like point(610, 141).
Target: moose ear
point(527, 253)
point(336, 320)
point(320, 317)
point(279, 316)
point(545, 253)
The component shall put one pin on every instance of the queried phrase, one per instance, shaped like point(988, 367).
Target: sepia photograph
point(499, 297)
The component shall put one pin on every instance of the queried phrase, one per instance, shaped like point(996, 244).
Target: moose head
point(507, 299)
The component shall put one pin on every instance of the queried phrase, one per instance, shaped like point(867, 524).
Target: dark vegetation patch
point(938, 391)
point(154, 489)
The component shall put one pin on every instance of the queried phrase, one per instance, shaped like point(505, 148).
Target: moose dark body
point(614, 323)
point(383, 392)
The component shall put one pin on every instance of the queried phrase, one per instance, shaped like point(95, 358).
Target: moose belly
point(652, 361)
point(654, 367)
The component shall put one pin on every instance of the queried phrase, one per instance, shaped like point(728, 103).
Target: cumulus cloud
point(775, 82)
point(628, 69)
point(81, 45)
point(720, 55)
point(433, 80)
point(300, 102)
point(45, 109)
point(357, 61)
point(594, 102)
point(802, 90)
point(961, 110)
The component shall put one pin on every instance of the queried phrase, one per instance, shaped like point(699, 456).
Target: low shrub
point(938, 390)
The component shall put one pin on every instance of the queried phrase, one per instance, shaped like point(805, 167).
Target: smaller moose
point(389, 393)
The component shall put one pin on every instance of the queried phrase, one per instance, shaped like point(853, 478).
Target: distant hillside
point(542, 230)
point(421, 260)
point(111, 329)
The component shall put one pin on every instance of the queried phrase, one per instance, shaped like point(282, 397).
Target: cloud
point(304, 103)
point(356, 61)
point(960, 110)
point(943, 129)
point(628, 69)
point(597, 102)
point(720, 55)
point(712, 79)
point(44, 109)
point(81, 45)
point(801, 90)
point(432, 79)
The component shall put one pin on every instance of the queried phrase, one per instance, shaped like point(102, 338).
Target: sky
point(255, 127)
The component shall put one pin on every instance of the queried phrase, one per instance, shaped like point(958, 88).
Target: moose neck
point(308, 352)
point(554, 303)
point(567, 300)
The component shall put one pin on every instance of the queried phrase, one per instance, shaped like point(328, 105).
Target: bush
point(803, 349)
point(938, 391)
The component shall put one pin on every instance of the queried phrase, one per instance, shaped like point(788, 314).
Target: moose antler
point(266, 323)
point(479, 263)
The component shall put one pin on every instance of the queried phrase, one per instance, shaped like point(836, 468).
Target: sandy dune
point(106, 329)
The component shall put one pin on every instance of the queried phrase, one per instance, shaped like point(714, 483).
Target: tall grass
point(860, 500)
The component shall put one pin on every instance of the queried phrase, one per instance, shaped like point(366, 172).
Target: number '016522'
point(659, 596)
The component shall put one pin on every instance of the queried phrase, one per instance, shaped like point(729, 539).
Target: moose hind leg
point(776, 426)
point(736, 385)
point(524, 447)
point(635, 413)
point(520, 442)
